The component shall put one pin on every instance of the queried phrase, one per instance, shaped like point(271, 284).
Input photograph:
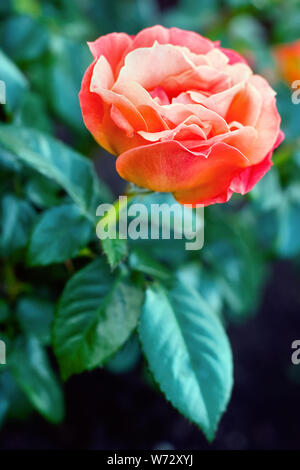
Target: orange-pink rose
point(182, 114)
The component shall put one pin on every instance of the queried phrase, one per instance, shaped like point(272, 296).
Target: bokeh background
point(250, 261)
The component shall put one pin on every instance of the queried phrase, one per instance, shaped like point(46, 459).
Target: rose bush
point(288, 60)
point(182, 114)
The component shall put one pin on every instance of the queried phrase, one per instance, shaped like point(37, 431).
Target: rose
point(183, 114)
point(288, 60)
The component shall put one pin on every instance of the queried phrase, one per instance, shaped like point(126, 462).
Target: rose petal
point(218, 102)
point(217, 59)
point(144, 103)
point(92, 108)
point(240, 139)
point(177, 113)
point(193, 41)
point(268, 123)
point(233, 56)
point(246, 106)
point(120, 121)
point(219, 199)
point(113, 47)
point(102, 75)
point(168, 61)
point(160, 96)
point(239, 72)
point(99, 81)
point(169, 166)
point(188, 129)
point(202, 77)
point(250, 176)
point(96, 113)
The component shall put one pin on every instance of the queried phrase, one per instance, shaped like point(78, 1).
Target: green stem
point(112, 216)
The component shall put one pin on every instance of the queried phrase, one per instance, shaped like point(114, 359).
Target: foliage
point(63, 292)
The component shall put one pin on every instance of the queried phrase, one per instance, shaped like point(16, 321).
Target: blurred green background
point(248, 270)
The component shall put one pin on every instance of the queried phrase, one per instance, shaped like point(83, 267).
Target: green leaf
point(17, 218)
point(35, 317)
point(32, 113)
point(28, 7)
point(126, 359)
point(188, 353)
point(246, 30)
point(179, 216)
point(4, 406)
point(59, 234)
point(169, 250)
point(69, 62)
point(138, 14)
point(4, 311)
point(193, 15)
point(16, 404)
point(4, 399)
point(74, 173)
point(8, 163)
point(287, 30)
point(15, 83)
point(290, 111)
point(288, 240)
point(116, 250)
point(140, 260)
point(23, 38)
point(42, 191)
point(96, 314)
point(31, 369)
point(235, 259)
point(201, 280)
point(266, 194)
